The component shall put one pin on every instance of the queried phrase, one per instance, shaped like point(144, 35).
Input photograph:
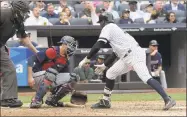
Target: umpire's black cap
point(153, 43)
point(106, 16)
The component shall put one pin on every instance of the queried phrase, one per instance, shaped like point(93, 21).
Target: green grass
point(121, 97)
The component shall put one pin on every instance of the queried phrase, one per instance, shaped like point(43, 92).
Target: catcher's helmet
point(71, 43)
point(21, 8)
point(106, 16)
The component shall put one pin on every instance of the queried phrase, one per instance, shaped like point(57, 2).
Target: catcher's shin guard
point(58, 93)
point(102, 104)
point(37, 101)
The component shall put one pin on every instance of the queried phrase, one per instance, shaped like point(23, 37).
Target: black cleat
point(101, 104)
point(58, 104)
point(12, 103)
point(169, 104)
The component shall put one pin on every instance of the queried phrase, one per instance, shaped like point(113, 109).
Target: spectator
point(64, 20)
point(159, 8)
point(40, 4)
point(68, 12)
point(134, 13)
point(85, 73)
point(171, 18)
point(63, 4)
point(156, 64)
point(125, 19)
point(174, 5)
point(108, 6)
point(50, 12)
point(99, 60)
point(153, 17)
point(36, 19)
point(148, 12)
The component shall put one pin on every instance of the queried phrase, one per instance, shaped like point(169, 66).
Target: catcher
point(47, 71)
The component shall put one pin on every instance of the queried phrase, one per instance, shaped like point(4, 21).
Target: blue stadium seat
point(178, 13)
point(123, 7)
point(160, 20)
point(181, 19)
point(79, 21)
point(53, 20)
point(139, 21)
point(116, 21)
point(142, 6)
point(79, 8)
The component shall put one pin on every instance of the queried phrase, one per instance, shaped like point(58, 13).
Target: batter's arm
point(96, 47)
point(110, 59)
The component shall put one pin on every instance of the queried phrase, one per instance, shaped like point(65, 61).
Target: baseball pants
point(7, 76)
point(135, 60)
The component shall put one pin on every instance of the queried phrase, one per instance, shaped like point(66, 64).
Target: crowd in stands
point(64, 12)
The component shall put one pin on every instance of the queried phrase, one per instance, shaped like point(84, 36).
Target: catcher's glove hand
point(78, 98)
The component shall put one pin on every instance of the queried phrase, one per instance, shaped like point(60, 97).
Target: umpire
point(11, 23)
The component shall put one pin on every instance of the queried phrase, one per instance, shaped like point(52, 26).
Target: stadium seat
point(53, 20)
point(142, 7)
point(181, 19)
point(160, 20)
point(116, 21)
point(79, 21)
point(79, 8)
point(123, 7)
point(139, 21)
point(178, 13)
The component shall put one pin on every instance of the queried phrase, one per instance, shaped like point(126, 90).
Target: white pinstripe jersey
point(119, 40)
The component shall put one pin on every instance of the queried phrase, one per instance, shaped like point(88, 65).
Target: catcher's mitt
point(78, 98)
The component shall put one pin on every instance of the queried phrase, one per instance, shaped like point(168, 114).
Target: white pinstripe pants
point(136, 61)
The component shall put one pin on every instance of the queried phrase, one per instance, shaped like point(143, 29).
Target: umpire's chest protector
point(53, 58)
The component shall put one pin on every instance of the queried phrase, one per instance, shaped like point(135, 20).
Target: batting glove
point(83, 62)
point(100, 68)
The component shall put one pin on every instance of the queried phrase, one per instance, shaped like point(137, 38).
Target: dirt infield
point(129, 108)
point(123, 108)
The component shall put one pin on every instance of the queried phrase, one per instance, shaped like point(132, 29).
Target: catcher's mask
point(21, 10)
point(71, 44)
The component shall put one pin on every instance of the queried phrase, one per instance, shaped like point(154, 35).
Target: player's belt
point(129, 51)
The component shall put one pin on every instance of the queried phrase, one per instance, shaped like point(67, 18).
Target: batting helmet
point(71, 43)
point(106, 16)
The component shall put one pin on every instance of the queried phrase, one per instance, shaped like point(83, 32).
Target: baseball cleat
point(12, 103)
point(58, 104)
point(35, 103)
point(101, 104)
point(169, 104)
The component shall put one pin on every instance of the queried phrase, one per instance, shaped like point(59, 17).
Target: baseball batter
point(131, 56)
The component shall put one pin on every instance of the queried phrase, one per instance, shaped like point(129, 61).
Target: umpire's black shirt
point(7, 29)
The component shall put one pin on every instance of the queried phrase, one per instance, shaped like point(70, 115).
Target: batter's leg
point(141, 69)
point(117, 69)
point(8, 77)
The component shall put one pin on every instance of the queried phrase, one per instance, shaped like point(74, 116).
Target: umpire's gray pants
point(7, 76)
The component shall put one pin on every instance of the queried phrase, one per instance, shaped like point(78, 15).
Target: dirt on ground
point(128, 108)
point(123, 108)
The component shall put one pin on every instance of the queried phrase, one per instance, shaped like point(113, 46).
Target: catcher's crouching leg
point(43, 83)
point(58, 93)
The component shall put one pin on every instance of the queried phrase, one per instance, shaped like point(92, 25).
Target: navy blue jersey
point(40, 61)
point(156, 61)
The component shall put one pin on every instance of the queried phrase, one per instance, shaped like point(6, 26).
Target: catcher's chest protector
point(54, 59)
